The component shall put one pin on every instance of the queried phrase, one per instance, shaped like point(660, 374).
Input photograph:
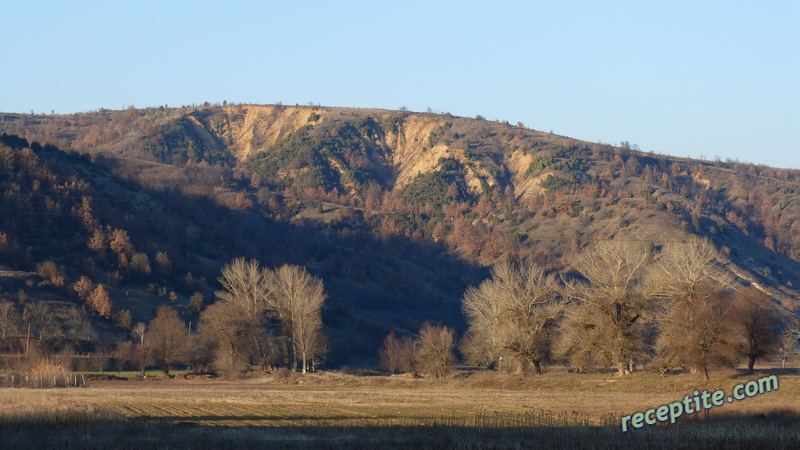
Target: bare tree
point(435, 355)
point(201, 352)
point(77, 324)
point(167, 336)
point(789, 346)
point(141, 349)
point(9, 320)
point(245, 284)
point(613, 304)
point(390, 353)
point(408, 355)
point(756, 323)
point(240, 338)
point(297, 297)
point(252, 295)
point(700, 334)
point(512, 316)
point(685, 267)
point(239, 322)
point(43, 320)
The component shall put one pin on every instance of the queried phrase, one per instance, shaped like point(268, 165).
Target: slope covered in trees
point(397, 212)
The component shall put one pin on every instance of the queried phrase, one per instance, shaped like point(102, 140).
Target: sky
point(712, 79)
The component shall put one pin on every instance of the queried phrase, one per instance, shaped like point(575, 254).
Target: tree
point(613, 303)
point(83, 287)
point(120, 244)
point(100, 302)
point(77, 324)
point(140, 263)
point(252, 296)
point(245, 284)
point(164, 263)
point(123, 319)
point(51, 272)
point(407, 361)
point(297, 297)
point(700, 333)
point(755, 321)
point(435, 354)
point(685, 267)
point(167, 336)
point(240, 339)
point(9, 321)
point(196, 303)
point(390, 353)
point(512, 316)
point(240, 321)
point(141, 351)
point(97, 242)
point(789, 346)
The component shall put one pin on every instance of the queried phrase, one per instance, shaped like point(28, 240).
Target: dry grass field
point(332, 410)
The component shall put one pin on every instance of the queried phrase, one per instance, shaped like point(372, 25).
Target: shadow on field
point(768, 371)
point(98, 429)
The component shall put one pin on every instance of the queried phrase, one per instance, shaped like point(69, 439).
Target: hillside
point(398, 212)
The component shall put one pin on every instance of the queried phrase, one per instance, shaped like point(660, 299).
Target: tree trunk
point(751, 361)
point(705, 373)
point(622, 368)
point(537, 367)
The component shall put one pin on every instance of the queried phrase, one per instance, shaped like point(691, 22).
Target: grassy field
point(333, 410)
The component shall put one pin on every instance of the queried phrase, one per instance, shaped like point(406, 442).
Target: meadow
point(336, 410)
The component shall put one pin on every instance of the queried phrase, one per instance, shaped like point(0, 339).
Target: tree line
point(622, 306)
point(263, 318)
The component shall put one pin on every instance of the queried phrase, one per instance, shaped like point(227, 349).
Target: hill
point(398, 212)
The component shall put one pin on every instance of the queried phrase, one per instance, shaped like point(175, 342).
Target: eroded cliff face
point(413, 155)
point(247, 130)
point(244, 131)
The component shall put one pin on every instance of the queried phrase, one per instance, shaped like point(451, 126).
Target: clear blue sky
point(685, 78)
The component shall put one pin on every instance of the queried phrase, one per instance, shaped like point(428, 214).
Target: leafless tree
point(77, 324)
point(435, 354)
point(245, 284)
point(684, 267)
point(789, 345)
point(408, 355)
point(297, 297)
point(756, 324)
point(240, 338)
point(201, 352)
point(42, 319)
point(701, 332)
point(614, 301)
point(252, 295)
point(140, 352)
point(9, 320)
point(512, 316)
point(167, 336)
point(390, 353)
